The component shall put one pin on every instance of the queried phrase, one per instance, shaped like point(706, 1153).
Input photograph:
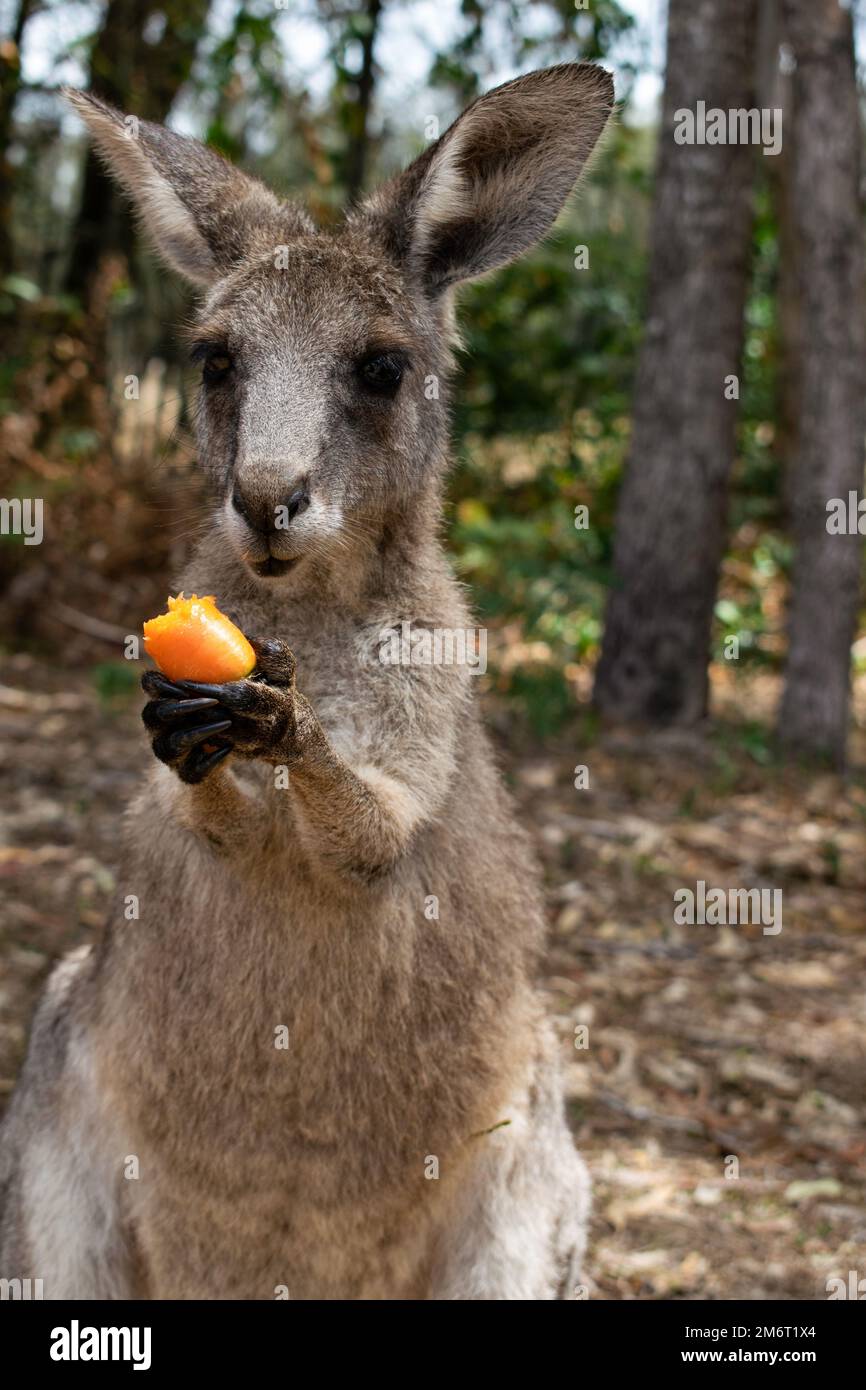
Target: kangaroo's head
point(325, 354)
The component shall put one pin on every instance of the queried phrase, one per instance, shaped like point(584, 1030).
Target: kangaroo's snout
point(274, 521)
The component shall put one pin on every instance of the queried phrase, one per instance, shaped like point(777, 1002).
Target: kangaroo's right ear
point(495, 182)
point(202, 214)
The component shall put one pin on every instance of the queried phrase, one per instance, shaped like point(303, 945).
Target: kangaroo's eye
point(382, 372)
point(217, 365)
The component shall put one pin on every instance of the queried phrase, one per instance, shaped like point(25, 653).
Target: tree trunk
point(775, 90)
point(670, 528)
point(140, 76)
point(829, 457)
point(359, 139)
point(10, 73)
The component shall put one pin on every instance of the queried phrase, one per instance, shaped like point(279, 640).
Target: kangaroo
point(316, 1064)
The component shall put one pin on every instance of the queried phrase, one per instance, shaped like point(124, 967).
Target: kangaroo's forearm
point(356, 823)
point(224, 815)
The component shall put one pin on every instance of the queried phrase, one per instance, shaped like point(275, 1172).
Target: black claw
point(199, 763)
point(169, 746)
point(170, 708)
point(159, 712)
point(155, 683)
point(182, 739)
point(237, 695)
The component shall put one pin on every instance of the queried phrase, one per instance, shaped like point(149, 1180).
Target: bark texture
point(671, 519)
point(828, 460)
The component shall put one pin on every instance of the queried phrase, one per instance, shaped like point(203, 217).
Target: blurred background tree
point(826, 457)
point(140, 56)
point(671, 520)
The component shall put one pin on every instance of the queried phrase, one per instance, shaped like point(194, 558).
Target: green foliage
point(78, 442)
point(244, 69)
point(115, 682)
point(549, 31)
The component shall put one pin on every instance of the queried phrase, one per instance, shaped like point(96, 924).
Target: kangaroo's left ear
point(202, 214)
point(495, 182)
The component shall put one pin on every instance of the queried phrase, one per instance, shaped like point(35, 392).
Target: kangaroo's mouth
point(272, 568)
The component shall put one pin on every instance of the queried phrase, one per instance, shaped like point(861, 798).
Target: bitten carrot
point(194, 641)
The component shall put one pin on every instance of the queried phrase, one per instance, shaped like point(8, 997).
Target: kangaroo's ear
point(202, 214)
point(495, 182)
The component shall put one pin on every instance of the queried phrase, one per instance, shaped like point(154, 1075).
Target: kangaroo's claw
point(155, 683)
point(244, 697)
point(170, 746)
point(202, 760)
point(187, 734)
point(157, 713)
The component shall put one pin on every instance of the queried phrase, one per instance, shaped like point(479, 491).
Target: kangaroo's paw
point(262, 716)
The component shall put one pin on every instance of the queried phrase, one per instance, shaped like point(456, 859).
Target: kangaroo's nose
point(265, 517)
point(298, 502)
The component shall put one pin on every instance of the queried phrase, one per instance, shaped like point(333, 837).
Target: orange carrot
point(194, 641)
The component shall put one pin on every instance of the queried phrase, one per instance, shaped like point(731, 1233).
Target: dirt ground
point(720, 1099)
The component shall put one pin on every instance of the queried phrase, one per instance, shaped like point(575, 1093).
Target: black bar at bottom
point(224, 1338)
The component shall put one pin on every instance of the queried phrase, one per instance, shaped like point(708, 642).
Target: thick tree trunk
point(828, 462)
point(670, 526)
point(141, 76)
